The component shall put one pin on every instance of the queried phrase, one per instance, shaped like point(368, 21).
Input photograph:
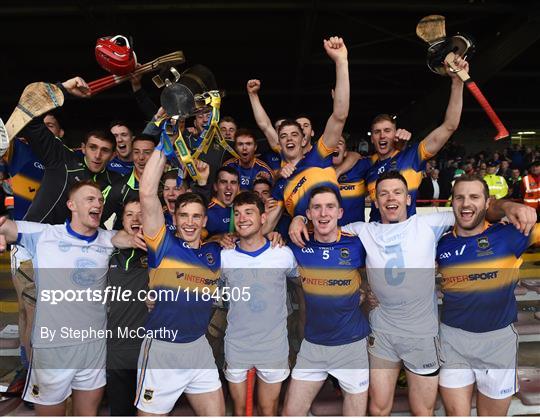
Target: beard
point(477, 220)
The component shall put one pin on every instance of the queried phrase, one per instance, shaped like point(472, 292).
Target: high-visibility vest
point(531, 195)
point(497, 185)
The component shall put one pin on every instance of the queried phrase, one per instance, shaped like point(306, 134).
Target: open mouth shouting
point(95, 215)
point(290, 146)
point(466, 214)
point(383, 146)
point(170, 204)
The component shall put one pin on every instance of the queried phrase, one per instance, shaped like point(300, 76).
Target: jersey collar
point(133, 181)
point(486, 226)
point(375, 157)
point(256, 252)
point(218, 202)
point(246, 168)
point(86, 238)
point(329, 243)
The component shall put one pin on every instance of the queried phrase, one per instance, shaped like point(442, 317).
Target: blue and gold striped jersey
point(219, 218)
point(313, 170)
point(124, 168)
point(479, 275)
point(331, 281)
point(273, 160)
point(26, 172)
point(410, 162)
point(353, 191)
point(169, 221)
point(247, 176)
point(182, 276)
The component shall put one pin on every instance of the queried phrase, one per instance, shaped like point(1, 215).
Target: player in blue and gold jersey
point(248, 167)
point(336, 329)
point(315, 167)
point(412, 160)
point(479, 264)
point(220, 212)
point(181, 362)
point(352, 186)
point(26, 172)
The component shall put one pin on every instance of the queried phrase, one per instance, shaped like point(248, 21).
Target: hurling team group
point(231, 257)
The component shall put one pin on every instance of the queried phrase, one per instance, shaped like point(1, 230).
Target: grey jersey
point(257, 328)
point(400, 267)
point(69, 266)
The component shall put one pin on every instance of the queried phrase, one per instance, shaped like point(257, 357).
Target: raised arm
point(263, 121)
point(437, 138)
point(152, 212)
point(50, 150)
point(272, 218)
point(337, 51)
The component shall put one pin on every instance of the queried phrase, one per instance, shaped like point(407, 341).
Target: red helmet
point(114, 54)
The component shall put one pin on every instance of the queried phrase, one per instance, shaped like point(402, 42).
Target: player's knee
point(454, 411)
point(221, 410)
point(422, 410)
point(239, 411)
point(268, 410)
point(379, 408)
point(294, 409)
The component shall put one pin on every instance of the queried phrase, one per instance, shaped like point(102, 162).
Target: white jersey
point(400, 267)
point(257, 328)
point(67, 262)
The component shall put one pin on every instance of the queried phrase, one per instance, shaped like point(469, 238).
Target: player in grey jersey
point(69, 258)
point(256, 333)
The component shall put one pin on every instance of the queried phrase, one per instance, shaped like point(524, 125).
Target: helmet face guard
point(459, 44)
point(180, 98)
point(115, 55)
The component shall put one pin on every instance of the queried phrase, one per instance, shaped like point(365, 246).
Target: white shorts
point(419, 355)
point(268, 373)
point(487, 358)
point(18, 255)
point(348, 363)
point(47, 384)
point(166, 370)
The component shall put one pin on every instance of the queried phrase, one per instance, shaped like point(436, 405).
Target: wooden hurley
point(105, 83)
point(502, 132)
point(431, 28)
point(36, 99)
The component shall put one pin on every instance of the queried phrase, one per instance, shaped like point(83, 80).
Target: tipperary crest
point(483, 243)
point(35, 391)
point(210, 258)
point(148, 395)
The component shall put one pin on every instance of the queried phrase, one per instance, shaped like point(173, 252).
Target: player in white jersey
point(401, 269)
point(256, 333)
point(68, 339)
